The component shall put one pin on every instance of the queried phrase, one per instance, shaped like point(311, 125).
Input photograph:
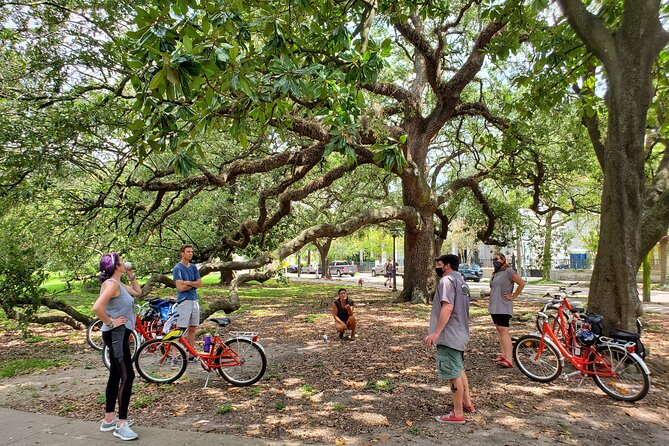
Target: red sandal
point(504, 363)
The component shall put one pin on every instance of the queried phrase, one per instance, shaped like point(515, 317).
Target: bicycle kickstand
point(207, 380)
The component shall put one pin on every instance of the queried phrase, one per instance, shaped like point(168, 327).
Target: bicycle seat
point(577, 310)
point(221, 321)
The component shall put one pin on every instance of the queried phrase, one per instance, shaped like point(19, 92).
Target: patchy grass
point(311, 318)
point(67, 409)
point(25, 366)
point(381, 385)
point(253, 392)
point(308, 390)
point(144, 401)
point(225, 408)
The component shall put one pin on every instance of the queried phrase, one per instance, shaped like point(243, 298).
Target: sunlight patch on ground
point(512, 422)
point(292, 381)
point(356, 384)
point(317, 433)
point(416, 369)
point(366, 397)
point(279, 419)
point(372, 419)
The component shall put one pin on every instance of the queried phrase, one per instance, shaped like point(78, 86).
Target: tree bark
point(546, 258)
point(663, 259)
point(628, 54)
point(323, 251)
point(227, 275)
point(613, 288)
point(418, 239)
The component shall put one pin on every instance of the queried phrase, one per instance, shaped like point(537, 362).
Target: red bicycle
point(240, 359)
point(147, 327)
point(612, 363)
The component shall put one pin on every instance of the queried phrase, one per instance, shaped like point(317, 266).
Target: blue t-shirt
point(181, 272)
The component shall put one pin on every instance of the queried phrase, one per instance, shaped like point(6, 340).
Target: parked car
point(381, 270)
point(341, 267)
point(471, 271)
point(311, 269)
point(291, 269)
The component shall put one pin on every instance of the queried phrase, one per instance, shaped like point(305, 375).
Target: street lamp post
point(394, 232)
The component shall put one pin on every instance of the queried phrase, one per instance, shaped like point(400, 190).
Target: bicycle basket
point(586, 337)
point(150, 314)
point(161, 307)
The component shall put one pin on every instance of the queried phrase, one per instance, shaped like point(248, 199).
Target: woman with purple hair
point(116, 309)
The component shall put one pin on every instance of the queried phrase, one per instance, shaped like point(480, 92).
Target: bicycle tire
point(251, 359)
point(94, 335)
point(153, 361)
point(552, 321)
point(544, 369)
point(630, 382)
point(134, 342)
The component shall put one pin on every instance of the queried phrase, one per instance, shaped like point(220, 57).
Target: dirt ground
point(380, 389)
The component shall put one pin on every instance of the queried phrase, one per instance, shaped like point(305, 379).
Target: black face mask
point(439, 271)
point(497, 265)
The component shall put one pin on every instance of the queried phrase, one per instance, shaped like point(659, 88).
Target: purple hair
point(108, 264)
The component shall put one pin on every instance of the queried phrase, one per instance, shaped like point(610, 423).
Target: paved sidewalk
point(25, 428)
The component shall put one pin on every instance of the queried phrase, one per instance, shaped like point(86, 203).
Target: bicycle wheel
point(543, 367)
point(155, 361)
point(249, 359)
point(552, 321)
point(94, 335)
point(134, 342)
point(629, 382)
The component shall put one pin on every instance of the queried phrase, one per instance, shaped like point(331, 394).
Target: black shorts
point(501, 320)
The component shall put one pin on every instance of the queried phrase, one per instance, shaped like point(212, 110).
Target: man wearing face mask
point(449, 331)
point(500, 306)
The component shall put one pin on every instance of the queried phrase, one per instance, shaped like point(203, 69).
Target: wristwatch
point(111, 324)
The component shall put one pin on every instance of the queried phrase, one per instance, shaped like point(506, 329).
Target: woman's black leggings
point(121, 376)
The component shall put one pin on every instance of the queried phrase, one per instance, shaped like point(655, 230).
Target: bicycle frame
point(147, 329)
point(210, 361)
point(584, 362)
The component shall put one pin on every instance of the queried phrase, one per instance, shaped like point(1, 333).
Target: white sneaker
point(125, 433)
point(108, 427)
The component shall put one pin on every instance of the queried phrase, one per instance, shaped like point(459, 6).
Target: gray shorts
point(188, 314)
point(450, 362)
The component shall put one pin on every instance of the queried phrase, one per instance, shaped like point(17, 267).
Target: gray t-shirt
point(121, 305)
point(456, 333)
point(501, 284)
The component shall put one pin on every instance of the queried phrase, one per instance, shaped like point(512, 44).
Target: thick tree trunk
point(546, 258)
point(628, 54)
point(419, 263)
point(663, 259)
point(613, 288)
point(419, 239)
point(324, 250)
point(226, 276)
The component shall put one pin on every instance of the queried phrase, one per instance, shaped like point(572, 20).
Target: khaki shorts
point(450, 362)
point(189, 314)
